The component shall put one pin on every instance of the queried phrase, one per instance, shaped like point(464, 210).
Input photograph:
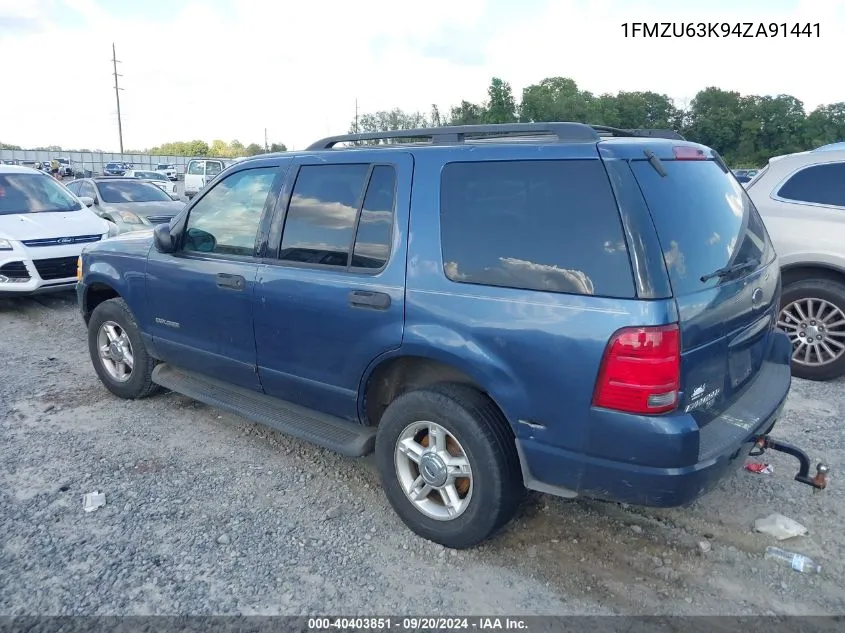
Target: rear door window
point(705, 221)
point(819, 184)
point(196, 168)
point(547, 225)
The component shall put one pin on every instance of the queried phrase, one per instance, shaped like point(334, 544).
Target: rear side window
point(705, 221)
point(327, 216)
point(549, 225)
point(819, 184)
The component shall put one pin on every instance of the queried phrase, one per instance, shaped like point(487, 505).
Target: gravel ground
point(209, 514)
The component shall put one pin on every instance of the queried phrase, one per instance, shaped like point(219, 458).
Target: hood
point(144, 209)
point(44, 225)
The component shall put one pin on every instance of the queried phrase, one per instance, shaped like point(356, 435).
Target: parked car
point(802, 200)
point(574, 314)
point(199, 172)
point(131, 204)
point(155, 178)
point(43, 228)
point(65, 167)
point(168, 170)
point(114, 169)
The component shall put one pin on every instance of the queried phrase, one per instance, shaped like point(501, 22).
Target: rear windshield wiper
point(727, 270)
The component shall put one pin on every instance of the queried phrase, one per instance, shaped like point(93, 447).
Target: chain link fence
point(93, 162)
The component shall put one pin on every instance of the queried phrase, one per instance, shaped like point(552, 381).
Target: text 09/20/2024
point(720, 29)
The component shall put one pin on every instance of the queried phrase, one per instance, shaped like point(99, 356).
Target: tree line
point(746, 130)
point(217, 149)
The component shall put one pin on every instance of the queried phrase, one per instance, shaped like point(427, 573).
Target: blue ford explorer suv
point(559, 307)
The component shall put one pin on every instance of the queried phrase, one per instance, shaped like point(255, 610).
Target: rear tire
point(475, 438)
point(112, 326)
point(826, 326)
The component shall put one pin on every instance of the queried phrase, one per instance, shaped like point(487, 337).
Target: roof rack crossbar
point(566, 132)
point(450, 135)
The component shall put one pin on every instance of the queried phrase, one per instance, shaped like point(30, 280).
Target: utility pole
point(356, 115)
point(117, 90)
point(266, 147)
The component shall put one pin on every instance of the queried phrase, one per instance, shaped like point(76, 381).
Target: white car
point(168, 170)
point(159, 180)
point(801, 198)
point(43, 229)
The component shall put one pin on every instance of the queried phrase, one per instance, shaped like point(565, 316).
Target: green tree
point(501, 106)
point(253, 149)
point(825, 124)
point(557, 99)
point(467, 114)
point(278, 147)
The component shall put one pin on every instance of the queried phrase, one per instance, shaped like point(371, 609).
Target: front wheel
point(448, 464)
point(813, 315)
point(118, 352)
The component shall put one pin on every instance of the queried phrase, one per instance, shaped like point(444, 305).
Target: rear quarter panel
point(536, 353)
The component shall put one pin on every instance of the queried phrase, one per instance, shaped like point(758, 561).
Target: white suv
point(43, 229)
point(801, 198)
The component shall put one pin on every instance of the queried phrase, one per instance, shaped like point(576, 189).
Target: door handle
point(367, 299)
point(230, 282)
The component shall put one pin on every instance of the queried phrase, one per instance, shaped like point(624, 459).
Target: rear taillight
point(640, 371)
point(685, 152)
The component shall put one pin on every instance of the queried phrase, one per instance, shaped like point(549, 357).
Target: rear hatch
point(723, 273)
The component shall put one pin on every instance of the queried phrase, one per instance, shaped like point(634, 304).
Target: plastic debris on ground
point(759, 468)
point(93, 500)
point(780, 527)
point(798, 562)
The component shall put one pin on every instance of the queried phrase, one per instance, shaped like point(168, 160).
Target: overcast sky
point(229, 68)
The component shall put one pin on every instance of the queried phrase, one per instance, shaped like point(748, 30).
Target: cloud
point(520, 273)
point(227, 70)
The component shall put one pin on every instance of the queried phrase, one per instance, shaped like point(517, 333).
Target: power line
point(117, 90)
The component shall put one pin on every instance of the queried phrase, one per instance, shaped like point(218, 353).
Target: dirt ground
point(209, 514)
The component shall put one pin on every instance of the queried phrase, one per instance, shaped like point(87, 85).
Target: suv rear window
point(704, 220)
point(549, 225)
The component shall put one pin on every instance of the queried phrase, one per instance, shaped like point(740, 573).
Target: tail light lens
point(640, 371)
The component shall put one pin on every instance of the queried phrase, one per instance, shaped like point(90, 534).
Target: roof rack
point(565, 132)
point(647, 132)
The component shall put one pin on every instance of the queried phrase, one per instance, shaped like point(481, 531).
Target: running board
point(346, 438)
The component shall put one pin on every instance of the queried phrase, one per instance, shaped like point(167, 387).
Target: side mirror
point(87, 200)
point(175, 197)
point(200, 241)
point(163, 240)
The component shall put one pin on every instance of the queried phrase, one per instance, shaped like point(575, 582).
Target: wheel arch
point(392, 375)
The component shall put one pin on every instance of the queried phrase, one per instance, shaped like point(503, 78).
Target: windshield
point(121, 191)
point(704, 220)
point(164, 166)
point(34, 193)
point(151, 175)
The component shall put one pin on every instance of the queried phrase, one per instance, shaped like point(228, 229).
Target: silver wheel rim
point(433, 470)
point(115, 349)
point(817, 330)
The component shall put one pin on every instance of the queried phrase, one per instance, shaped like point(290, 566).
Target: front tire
point(118, 353)
point(448, 464)
point(813, 315)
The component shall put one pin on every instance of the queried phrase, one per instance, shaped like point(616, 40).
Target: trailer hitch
point(817, 481)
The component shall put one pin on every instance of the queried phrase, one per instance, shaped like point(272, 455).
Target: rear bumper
point(722, 445)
